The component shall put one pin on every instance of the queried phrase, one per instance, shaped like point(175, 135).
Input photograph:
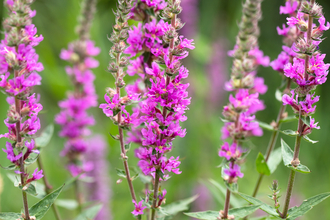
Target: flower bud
point(120, 82)
point(13, 116)
point(123, 62)
point(305, 47)
point(113, 68)
point(314, 10)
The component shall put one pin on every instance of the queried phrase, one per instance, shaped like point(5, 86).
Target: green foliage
point(261, 165)
point(266, 126)
point(306, 138)
point(10, 216)
point(289, 119)
point(121, 173)
point(89, 213)
point(213, 215)
point(263, 206)
point(290, 132)
point(40, 209)
point(274, 159)
point(44, 139)
point(306, 206)
point(176, 207)
point(69, 204)
point(287, 155)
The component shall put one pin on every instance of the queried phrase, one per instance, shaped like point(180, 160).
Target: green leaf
point(10, 216)
point(307, 205)
point(145, 179)
point(274, 159)
point(289, 132)
point(90, 213)
point(40, 209)
point(135, 176)
point(287, 156)
point(13, 178)
point(114, 137)
point(46, 135)
point(213, 215)
point(176, 207)
point(266, 126)
point(29, 189)
point(289, 118)
point(69, 204)
point(233, 199)
point(160, 173)
point(10, 167)
point(278, 95)
point(31, 159)
point(263, 206)
point(121, 173)
point(128, 146)
point(306, 120)
point(261, 165)
point(306, 138)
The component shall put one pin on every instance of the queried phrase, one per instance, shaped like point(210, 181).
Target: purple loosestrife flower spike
point(164, 95)
point(239, 113)
point(308, 70)
point(73, 117)
point(290, 34)
point(115, 106)
point(18, 73)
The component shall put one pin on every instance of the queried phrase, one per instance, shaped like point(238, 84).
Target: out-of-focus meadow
point(213, 25)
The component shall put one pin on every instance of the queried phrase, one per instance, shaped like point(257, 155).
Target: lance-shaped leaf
point(262, 166)
point(306, 138)
point(287, 156)
point(10, 216)
point(213, 215)
point(233, 199)
point(290, 133)
point(10, 167)
point(35, 189)
point(176, 207)
point(31, 159)
point(263, 206)
point(274, 159)
point(307, 205)
point(46, 135)
point(40, 209)
point(69, 204)
point(121, 173)
point(89, 213)
point(266, 126)
point(289, 118)
point(278, 95)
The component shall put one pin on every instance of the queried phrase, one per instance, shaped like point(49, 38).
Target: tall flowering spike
point(74, 117)
point(19, 69)
point(307, 70)
point(162, 91)
point(115, 106)
point(239, 113)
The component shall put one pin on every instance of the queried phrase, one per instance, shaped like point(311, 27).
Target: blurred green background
point(216, 30)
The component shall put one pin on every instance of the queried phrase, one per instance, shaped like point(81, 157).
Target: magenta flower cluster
point(239, 114)
point(18, 75)
point(308, 69)
point(74, 117)
point(159, 91)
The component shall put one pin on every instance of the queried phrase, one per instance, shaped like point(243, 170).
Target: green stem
point(48, 189)
point(288, 194)
point(78, 195)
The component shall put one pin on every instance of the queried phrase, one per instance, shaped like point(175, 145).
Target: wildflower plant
point(19, 67)
point(155, 50)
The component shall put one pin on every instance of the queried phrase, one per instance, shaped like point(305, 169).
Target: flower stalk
point(314, 73)
point(239, 115)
